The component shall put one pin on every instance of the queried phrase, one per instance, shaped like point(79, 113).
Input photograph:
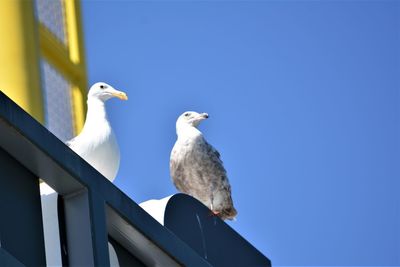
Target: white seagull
point(196, 168)
point(97, 143)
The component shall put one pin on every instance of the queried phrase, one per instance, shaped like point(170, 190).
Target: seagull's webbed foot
point(213, 213)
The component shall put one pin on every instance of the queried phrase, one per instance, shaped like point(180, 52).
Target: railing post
point(86, 229)
point(99, 230)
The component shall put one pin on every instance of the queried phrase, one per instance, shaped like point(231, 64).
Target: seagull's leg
point(213, 212)
point(212, 199)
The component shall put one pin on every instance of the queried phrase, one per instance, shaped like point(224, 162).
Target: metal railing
point(94, 208)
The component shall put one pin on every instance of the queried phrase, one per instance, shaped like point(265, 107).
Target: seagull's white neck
point(185, 131)
point(96, 114)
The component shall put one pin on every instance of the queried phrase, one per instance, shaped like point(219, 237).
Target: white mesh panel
point(51, 14)
point(57, 94)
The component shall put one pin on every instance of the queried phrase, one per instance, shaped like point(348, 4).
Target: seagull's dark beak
point(198, 118)
point(204, 115)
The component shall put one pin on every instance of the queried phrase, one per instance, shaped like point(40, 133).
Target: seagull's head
point(190, 118)
point(103, 92)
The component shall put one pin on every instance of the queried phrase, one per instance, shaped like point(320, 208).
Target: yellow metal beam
point(57, 54)
point(78, 107)
point(19, 55)
point(72, 16)
point(76, 53)
point(69, 60)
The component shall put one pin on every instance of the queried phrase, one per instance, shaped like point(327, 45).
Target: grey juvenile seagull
point(196, 168)
point(97, 143)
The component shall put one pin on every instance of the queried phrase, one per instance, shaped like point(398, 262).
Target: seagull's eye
point(102, 86)
point(187, 114)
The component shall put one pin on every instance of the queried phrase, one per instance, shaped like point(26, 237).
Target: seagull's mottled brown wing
point(214, 170)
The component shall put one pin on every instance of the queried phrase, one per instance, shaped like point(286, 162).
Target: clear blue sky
point(304, 107)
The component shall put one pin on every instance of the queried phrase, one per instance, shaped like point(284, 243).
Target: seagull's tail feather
point(228, 214)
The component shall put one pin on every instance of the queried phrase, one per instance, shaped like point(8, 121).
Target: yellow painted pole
point(76, 54)
point(19, 56)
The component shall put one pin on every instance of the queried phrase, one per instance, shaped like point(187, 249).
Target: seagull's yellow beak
point(121, 95)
